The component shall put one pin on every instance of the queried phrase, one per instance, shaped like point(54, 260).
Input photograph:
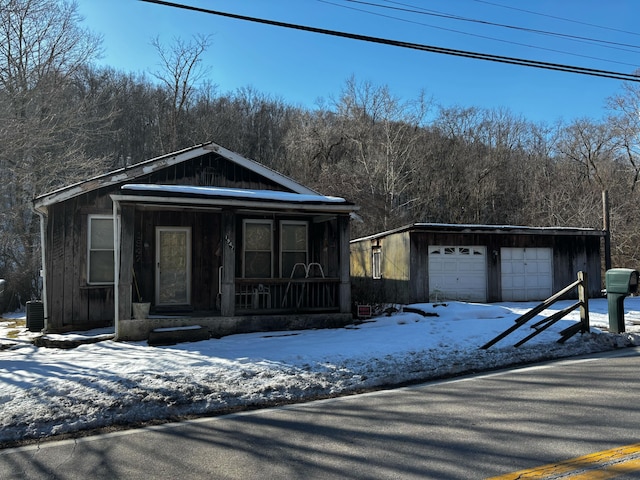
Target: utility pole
point(606, 226)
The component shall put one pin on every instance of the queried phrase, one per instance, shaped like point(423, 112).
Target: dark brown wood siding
point(209, 170)
point(205, 253)
point(72, 303)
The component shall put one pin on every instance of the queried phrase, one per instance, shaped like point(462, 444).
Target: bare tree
point(625, 122)
point(180, 71)
point(480, 166)
point(43, 50)
point(382, 133)
point(591, 147)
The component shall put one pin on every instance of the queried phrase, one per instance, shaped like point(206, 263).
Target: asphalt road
point(473, 427)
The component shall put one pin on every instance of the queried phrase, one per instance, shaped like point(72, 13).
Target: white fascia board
point(237, 193)
point(236, 203)
point(117, 176)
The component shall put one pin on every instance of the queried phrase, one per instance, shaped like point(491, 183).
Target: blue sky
point(302, 67)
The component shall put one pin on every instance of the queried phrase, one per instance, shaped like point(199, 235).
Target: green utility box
point(620, 283)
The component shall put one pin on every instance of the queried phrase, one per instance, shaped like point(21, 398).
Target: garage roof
point(494, 229)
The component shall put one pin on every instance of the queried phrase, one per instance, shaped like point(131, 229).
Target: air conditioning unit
point(35, 316)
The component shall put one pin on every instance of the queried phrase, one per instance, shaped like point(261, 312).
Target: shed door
point(457, 273)
point(173, 266)
point(526, 273)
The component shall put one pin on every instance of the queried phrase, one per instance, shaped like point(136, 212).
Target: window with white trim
point(293, 247)
point(258, 249)
point(100, 250)
point(376, 262)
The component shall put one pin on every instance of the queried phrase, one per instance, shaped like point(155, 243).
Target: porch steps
point(173, 335)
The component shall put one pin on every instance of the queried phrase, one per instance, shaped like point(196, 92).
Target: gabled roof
point(131, 173)
point(493, 229)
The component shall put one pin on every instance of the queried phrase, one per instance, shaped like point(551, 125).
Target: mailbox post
point(620, 282)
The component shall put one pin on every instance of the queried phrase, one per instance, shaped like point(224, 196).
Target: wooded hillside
point(62, 119)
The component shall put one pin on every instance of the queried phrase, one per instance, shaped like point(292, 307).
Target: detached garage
point(474, 263)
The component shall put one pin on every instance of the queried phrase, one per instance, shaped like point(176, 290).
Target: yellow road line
point(595, 466)
point(610, 471)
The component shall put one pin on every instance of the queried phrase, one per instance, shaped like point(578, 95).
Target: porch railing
point(287, 295)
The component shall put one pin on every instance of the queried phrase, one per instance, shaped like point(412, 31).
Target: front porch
point(231, 268)
point(261, 305)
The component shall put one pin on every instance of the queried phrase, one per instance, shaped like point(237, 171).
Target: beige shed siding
point(360, 259)
point(395, 257)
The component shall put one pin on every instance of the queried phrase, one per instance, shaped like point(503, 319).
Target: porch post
point(116, 267)
point(124, 263)
point(345, 273)
point(228, 286)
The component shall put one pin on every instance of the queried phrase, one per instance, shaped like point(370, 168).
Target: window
point(376, 262)
point(293, 248)
point(258, 248)
point(100, 257)
point(258, 255)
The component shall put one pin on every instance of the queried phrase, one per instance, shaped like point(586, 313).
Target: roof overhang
point(176, 196)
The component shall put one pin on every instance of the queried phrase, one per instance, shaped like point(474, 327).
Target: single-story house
point(204, 237)
point(477, 263)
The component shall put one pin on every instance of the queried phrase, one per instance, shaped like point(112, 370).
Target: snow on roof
point(473, 226)
point(455, 227)
point(269, 195)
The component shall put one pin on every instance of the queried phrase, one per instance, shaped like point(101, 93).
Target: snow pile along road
point(51, 391)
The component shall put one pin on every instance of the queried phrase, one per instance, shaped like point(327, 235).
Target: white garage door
point(457, 273)
point(526, 274)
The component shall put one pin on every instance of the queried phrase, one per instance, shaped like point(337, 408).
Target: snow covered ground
point(51, 391)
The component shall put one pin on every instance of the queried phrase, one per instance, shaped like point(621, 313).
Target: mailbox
point(620, 282)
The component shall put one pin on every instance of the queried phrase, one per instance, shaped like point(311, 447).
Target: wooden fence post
point(583, 296)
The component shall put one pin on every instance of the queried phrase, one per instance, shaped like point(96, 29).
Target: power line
point(435, 13)
point(557, 18)
point(510, 42)
point(414, 46)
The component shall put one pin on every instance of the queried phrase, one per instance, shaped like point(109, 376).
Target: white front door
point(173, 266)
